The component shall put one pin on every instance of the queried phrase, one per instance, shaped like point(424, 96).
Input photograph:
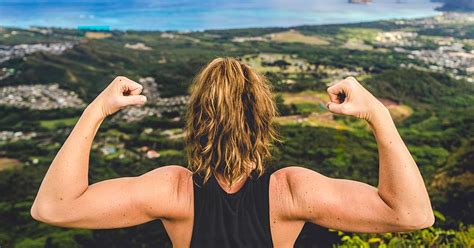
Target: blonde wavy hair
point(229, 121)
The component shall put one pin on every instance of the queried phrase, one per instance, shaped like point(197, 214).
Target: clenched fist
point(121, 92)
point(349, 97)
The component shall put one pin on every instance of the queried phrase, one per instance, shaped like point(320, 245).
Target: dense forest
point(431, 102)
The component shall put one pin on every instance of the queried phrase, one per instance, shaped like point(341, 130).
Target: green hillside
point(431, 103)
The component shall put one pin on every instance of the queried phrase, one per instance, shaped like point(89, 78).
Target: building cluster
point(250, 38)
point(176, 133)
point(20, 50)
point(133, 113)
point(334, 75)
point(108, 149)
point(157, 108)
point(39, 97)
point(397, 38)
point(44, 31)
point(149, 153)
point(178, 35)
point(450, 55)
point(7, 34)
point(444, 18)
point(150, 88)
point(171, 104)
point(11, 136)
point(138, 46)
point(452, 58)
point(168, 35)
point(446, 57)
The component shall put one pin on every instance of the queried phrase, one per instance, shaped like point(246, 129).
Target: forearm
point(401, 185)
point(67, 176)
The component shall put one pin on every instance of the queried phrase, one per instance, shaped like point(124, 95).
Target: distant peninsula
point(456, 5)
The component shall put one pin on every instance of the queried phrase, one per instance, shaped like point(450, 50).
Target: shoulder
point(166, 184)
point(293, 175)
point(173, 172)
point(166, 176)
point(292, 187)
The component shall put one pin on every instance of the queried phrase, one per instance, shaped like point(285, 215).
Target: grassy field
point(9, 163)
point(295, 36)
point(311, 105)
point(313, 120)
point(52, 124)
point(364, 34)
point(97, 35)
point(307, 96)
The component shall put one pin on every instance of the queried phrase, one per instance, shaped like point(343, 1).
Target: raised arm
point(65, 197)
point(399, 203)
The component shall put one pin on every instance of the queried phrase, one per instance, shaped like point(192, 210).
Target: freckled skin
point(296, 194)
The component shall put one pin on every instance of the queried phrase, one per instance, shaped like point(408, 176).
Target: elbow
point(418, 221)
point(34, 213)
point(45, 213)
point(40, 212)
point(430, 220)
point(427, 220)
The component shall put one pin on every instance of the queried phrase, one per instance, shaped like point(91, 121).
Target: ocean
point(186, 15)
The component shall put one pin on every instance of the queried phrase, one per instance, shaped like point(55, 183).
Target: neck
point(236, 185)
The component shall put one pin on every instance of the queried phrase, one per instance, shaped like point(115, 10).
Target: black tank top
point(241, 219)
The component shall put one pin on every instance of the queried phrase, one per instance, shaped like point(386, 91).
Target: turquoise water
point(204, 14)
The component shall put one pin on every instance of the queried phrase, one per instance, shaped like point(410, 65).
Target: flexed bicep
point(119, 202)
point(342, 204)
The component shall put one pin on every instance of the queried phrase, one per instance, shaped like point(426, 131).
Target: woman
point(228, 197)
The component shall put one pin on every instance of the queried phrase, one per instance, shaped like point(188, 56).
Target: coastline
point(105, 28)
point(206, 15)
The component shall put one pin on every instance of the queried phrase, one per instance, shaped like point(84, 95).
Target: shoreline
point(84, 28)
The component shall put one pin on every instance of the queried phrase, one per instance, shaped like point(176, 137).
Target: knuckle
point(345, 109)
point(120, 78)
point(351, 78)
